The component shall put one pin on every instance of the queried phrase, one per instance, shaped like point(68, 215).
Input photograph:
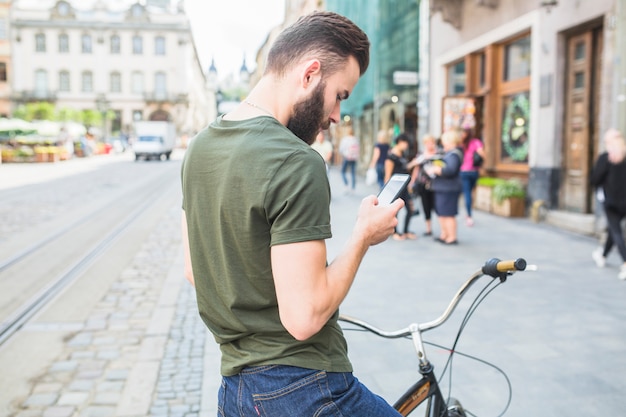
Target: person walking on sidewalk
point(379, 156)
point(396, 163)
point(256, 214)
point(609, 177)
point(469, 170)
point(349, 149)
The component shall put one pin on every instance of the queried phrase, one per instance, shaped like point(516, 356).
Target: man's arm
point(308, 291)
point(185, 238)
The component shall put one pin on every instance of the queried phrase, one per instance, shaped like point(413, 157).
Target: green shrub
point(504, 189)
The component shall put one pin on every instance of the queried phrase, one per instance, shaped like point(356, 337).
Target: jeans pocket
point(221, 398)
point(308, 396)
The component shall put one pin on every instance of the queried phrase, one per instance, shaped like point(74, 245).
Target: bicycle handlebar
point(493, 267)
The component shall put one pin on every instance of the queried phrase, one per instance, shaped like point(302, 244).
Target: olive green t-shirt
point(248, 185)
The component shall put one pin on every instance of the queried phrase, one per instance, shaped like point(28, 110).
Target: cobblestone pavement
point(141, 351)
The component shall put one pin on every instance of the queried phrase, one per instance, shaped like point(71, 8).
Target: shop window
point(482, 70)
point(457, 79)
point(517, 59)
point(515, 128)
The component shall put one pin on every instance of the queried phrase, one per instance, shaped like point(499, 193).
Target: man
point(256, 215)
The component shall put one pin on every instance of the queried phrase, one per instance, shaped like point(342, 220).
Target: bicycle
point(427, 389)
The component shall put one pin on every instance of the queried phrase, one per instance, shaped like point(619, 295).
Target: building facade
point(537, 81)
point(5, 58)
point(132, 62)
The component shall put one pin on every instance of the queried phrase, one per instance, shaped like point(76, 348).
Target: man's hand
point(376, 223)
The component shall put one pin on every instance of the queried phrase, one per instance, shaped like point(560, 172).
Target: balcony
point(165, 97)
point(27, 96)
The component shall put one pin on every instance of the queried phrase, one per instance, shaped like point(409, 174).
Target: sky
point(228, 30)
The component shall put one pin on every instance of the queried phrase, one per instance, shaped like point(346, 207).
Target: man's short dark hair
point(328, 36)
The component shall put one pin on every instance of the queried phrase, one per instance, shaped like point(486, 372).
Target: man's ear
point(312, 71)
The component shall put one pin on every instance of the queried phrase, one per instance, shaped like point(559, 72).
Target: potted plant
point(508, 198)
point(484, 189)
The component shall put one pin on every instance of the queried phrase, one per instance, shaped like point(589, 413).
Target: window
point(4, 34)
point(456, 78)
point(64, 81)
point(3, 71)
point(159, 45)
point(137, 83)
point(40, 42)
point(137, 45)
point(160, 85)
point(515, 127)
point(64, 43)
point(41, 83)
point(137, 115)
point(86, 44)
point(115, 44)
point(517, 59)
point(116, 82)
point(87, 82)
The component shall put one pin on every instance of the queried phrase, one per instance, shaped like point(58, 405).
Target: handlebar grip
point(496, 268)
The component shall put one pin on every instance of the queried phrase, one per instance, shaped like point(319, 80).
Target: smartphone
point(393, 188)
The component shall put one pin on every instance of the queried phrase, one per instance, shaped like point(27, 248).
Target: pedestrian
point(324, 147)
point(397, 163)
point(423, 182)
point(470, 170)
point(256, 201)
point(379, 156)
point(446, 185)
point(349, 149)
point(608, 176)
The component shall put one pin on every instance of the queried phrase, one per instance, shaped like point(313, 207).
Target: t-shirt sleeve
point(298, 200)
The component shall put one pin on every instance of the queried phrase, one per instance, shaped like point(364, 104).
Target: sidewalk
point(559, 333)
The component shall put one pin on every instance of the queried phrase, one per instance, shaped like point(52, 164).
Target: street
point(558, 333)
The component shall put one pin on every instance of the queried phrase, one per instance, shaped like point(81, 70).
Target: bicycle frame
point(427, 388)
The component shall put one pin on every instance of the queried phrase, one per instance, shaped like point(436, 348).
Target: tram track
point(81, 245)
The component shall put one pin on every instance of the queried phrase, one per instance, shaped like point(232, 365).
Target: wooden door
point(580, 120)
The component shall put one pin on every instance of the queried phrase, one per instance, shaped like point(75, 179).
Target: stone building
point(5, 58)
point(136, 61)
point(539, 82)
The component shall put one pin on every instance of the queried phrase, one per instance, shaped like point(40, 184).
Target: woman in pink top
point(469, 173)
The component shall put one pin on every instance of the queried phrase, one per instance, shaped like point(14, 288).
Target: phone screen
point(393, 188)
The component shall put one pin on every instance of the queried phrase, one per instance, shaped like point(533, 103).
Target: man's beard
point(308, 116)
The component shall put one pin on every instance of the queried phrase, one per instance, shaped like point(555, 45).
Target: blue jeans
point(352, 166)
point(287, 391)
point(468, 180)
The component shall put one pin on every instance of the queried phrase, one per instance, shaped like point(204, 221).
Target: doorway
point(582, 87)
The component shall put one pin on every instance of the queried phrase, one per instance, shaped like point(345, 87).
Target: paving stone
point(63, 366)
point(47, 387)
point(73, 398)
point(81, 385)
point(107, 398)
point(41, 399)
point(59, 411)
point(98, 411)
